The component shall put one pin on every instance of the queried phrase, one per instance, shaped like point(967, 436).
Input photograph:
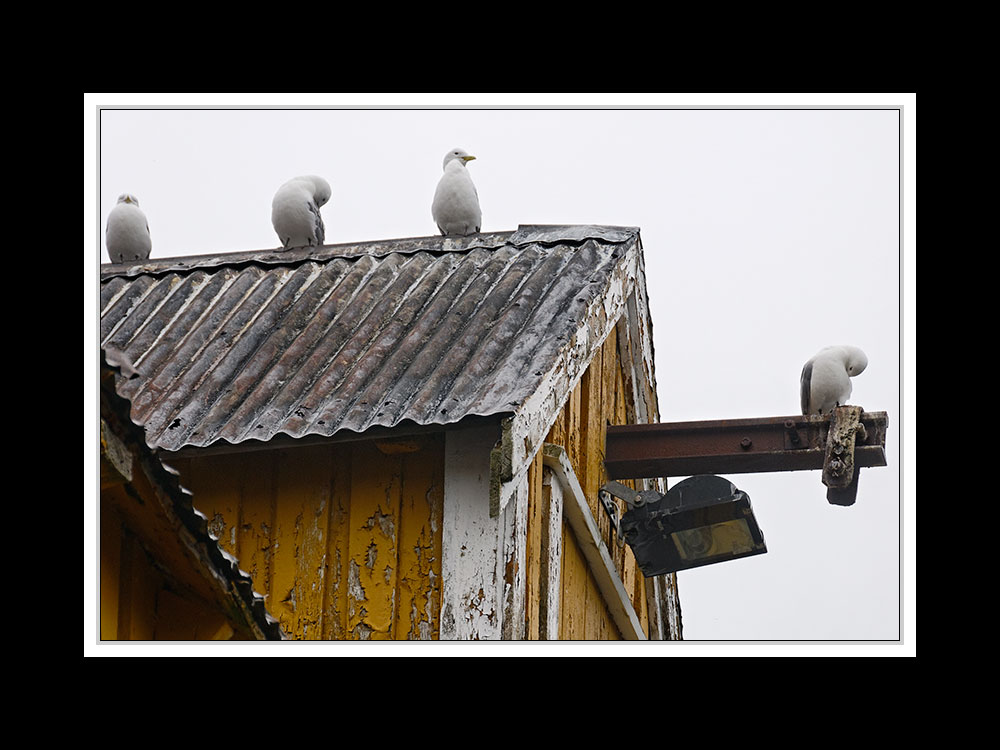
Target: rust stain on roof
point(246, 346)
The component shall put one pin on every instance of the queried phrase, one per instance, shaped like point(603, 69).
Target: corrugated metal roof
point(245, 346)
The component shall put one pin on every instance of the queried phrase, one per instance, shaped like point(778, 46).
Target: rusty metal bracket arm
point(734, 446)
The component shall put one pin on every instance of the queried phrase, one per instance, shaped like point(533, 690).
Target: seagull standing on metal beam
point(826, 378)
point(456, 203)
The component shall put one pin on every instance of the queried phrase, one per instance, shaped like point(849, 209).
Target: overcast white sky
point(768, 233)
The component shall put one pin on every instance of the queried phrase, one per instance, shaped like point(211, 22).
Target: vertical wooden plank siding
point(535, 584)
point(136, 586)
point(111, 562)
point(574, 606)
point(599, 399)
point(373, 546)
point(335, 571)
point(512, 545)
point(343, 539)
point(299, 540)
point(420, 546)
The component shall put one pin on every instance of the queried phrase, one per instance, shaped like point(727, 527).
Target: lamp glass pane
point(726, 538)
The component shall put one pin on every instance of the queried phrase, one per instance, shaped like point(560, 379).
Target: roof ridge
point(544, 234)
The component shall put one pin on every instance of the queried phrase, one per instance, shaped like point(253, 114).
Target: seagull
point(295, 211)
point(127, 233)
point(456, 203)
point(826, 378)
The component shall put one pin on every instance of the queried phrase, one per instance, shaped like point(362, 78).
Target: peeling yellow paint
point(344, 540)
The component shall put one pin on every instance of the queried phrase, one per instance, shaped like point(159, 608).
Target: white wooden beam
point(471, 596)
point(584, 526)
point(513, 575)
point(551, 556)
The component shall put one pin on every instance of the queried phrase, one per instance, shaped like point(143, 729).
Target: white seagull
point(127, 233)
point(826, 378)
point(456, 203)
point(295, 212)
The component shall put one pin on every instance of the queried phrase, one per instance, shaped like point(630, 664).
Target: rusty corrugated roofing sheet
point(245, 346)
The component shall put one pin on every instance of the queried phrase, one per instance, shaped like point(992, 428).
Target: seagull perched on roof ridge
point(456, 203)
point(826, 378)
point(127, 233)
point(295, 212)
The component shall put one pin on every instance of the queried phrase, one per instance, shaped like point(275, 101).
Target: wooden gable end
point(559, 577)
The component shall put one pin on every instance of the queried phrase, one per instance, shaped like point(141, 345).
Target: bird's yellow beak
point(128, 199)
point(468, 158)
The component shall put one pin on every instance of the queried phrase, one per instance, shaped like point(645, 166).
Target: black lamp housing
point(702, 520)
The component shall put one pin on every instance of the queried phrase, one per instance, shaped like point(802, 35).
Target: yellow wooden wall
point(343, 539)
point(599, 399)
point(138, 603)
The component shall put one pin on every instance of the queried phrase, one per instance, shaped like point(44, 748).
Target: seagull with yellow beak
point(456, 203)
